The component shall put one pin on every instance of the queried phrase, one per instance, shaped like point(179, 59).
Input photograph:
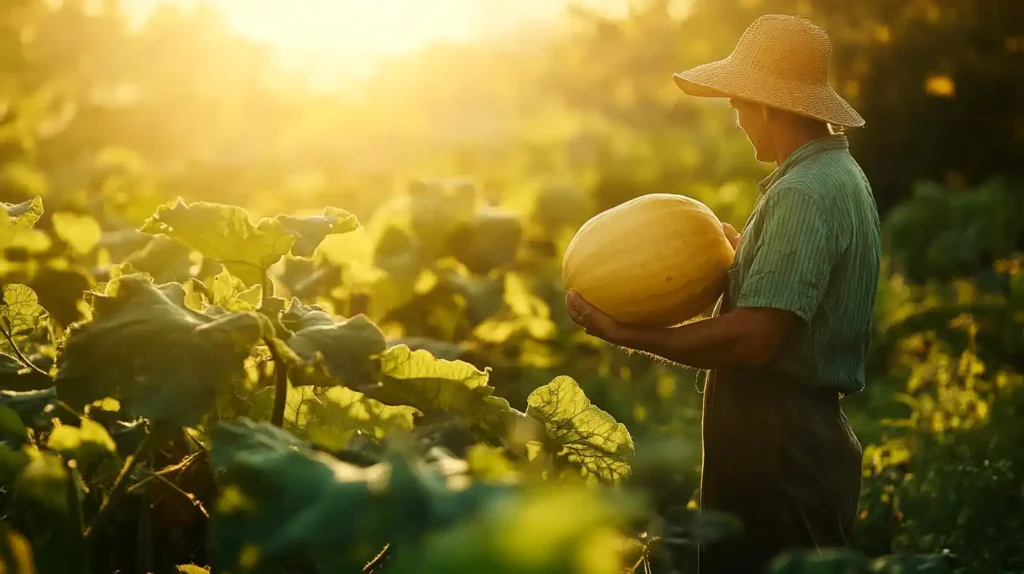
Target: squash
point(655, 261)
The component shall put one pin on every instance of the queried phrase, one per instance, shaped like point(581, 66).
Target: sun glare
point(355, 28)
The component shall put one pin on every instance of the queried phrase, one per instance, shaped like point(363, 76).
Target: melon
point(655, 261)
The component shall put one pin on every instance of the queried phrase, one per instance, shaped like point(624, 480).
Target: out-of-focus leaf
point(15, 218)
point(28, 404)
point(60, 292)
point(557, 531)
point(179, 359)
point(163, 259)
point(489, 241)
point(11, 426)
point(826, 561)
point(15, 553)
point(192, 569)
point(587, 436)
point(42, 500)
point(281, 500)
point(86, 443)
point(310, 231)
point(81, 232)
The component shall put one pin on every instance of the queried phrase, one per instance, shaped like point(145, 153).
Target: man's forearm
point(722, 341)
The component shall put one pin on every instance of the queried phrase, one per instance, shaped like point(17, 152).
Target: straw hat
point(781, 62)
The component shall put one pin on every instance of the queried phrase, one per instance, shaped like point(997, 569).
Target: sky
point(373, 28)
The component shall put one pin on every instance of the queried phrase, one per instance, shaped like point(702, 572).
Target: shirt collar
point(802, 153)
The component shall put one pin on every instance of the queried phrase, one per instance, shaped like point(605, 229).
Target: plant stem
point(5, 326)
point(121, 484)
point(281, 386)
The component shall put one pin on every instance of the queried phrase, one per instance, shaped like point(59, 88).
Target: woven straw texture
point(782, 62)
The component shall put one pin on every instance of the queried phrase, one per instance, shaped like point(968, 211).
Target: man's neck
point(788, 142)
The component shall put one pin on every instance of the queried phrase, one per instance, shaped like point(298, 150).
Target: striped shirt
point(812, 245)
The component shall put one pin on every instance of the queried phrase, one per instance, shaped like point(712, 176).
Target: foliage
point(242, 378)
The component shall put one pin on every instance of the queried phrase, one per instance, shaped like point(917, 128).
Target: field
point(252, 327)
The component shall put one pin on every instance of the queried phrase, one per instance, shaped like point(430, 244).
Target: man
point(790, 334)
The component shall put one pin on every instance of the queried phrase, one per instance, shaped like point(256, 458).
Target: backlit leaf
point(20, 309)
point(341, 412)
point(310, 231)
point(16, 218)
point(80, 232)
point(15, 553)
point(90, 441)
point(161, 359)
point(224, 233)
point(588, 436)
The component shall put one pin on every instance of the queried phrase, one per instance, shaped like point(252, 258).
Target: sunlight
point(361, 28)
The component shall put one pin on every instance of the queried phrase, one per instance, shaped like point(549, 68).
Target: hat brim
point(728, 79)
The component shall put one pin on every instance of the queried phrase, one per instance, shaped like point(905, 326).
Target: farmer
point(789, 337)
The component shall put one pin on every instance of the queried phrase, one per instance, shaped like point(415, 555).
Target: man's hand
point(592, 319)
point(732, 235)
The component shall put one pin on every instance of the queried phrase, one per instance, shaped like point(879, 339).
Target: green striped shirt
point(812, 246)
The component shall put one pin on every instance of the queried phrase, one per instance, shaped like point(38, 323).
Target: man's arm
point(746, 336)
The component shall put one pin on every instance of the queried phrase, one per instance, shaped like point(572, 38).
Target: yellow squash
point(656, 260)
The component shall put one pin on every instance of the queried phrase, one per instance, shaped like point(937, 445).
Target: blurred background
point(418, 116)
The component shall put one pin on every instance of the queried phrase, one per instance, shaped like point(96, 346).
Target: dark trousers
point(782, 458)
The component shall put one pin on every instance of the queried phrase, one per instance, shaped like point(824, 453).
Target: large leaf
point(433, 385)
point(282, 501)
point(226, 233)
point(587, 436)
point(18, 218)
point(546, 531)
point(145, 348)
point(342, 412)
point(310, 231)
point(81, 232)
point(347, 351)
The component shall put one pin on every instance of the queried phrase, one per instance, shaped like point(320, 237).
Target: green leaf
point(192, 569)
point(432, 385)
point(227, 292)
point(587, 436)
point(342, 412)
point(547, 530)
point(225, 233)
point(43, 492)
point(346, 352)
point(280, 500)
point(825, 561)
point(11, 426)
point(86, 443)
point(29, 405)
point(179, 361)
point(163, 259)
point(310, 231)
point(20, 309)
point(15, 552)
point(80, 232)
point(16, 218)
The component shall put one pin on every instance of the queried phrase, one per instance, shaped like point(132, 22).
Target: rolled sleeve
point(793, 257)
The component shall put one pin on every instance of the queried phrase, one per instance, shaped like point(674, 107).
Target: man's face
point(751, 118)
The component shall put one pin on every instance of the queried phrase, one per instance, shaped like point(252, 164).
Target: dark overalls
point(783, 459)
